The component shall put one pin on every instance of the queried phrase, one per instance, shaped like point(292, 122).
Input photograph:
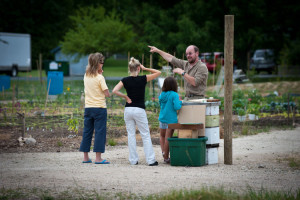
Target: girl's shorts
point(163, 125)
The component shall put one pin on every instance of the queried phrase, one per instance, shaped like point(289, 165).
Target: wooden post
point(13, 99)
point(23, 125)
point(288, 107)
point(294, 110)
point(22, 116)
point(151, 82)
point(47, 96)
point(142, 63)
point(228, 49)
point(248, 62)
point(182, 78)
point(172, 66)
point(214, 70)
point(128, 61)
point(40, 67)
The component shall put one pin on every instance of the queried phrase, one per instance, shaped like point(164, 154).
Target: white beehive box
point(213, 135)
point(212, 156)
point(212, 109)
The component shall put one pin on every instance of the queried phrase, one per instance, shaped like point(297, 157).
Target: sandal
point(102, 162)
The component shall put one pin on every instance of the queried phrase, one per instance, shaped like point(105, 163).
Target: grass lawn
point(112, 68)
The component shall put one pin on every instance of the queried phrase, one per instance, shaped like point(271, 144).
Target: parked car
point(263, 60)
point(213, 59)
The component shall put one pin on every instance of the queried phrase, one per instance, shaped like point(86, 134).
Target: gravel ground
point(259, 161)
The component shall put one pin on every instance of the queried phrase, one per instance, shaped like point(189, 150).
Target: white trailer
point(15, 53)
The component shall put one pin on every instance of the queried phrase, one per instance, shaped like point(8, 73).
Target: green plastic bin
point(187, 151)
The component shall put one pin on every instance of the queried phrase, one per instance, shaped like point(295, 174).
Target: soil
point(54, 163)
point(63, 140)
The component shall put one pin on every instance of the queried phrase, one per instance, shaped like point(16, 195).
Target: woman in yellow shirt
point(95, 112)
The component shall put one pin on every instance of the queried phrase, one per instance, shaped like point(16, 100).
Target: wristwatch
point(183, 73)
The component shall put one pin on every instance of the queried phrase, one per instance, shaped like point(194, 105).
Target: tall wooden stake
point(151, 82)
point(142, 63)
point(214, 69)
point(288, 107)
point(40, 67)
point(23, 125)
point(182, 78)
point(172, 66)
point(47, 96)
point(13, 99)
point(228, 49)
point(128, 60)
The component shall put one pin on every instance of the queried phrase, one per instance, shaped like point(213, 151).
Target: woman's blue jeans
point(94, 119)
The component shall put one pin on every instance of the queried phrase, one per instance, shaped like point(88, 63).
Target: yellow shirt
point(93, 89)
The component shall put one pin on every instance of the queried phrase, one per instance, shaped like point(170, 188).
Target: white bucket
point(242, 118)
point(251, 116)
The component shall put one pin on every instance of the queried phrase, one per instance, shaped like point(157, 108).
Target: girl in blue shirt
point(169, 104)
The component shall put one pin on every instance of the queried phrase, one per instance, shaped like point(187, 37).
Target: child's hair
point(94, 60)
point(133, 64)
point(170, 84)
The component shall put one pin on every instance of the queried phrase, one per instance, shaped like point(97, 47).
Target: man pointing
point(193, 71)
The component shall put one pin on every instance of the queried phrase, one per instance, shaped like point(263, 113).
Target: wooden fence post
point(40, 67)
point(128, 61)
point(228, 50)
point(151, 82)
point(143, 63)
point(47, 96)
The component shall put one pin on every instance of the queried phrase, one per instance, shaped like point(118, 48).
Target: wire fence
point(26, 107)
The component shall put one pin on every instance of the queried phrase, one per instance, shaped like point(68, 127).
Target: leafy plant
point(73, 125)
point(112, 142)
point(59, 143)
point(241, 112)
point(239, 94)
point(239, 103)
point(254, 97)
point(152, 104)
point(253, 109)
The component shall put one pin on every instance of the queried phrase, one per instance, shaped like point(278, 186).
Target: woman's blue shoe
point(89, 161)
point(102, 162)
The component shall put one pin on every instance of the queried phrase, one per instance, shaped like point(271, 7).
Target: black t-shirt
point(135, 88)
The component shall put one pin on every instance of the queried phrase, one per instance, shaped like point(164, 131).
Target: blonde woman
point(95, 113)
point(135, 113)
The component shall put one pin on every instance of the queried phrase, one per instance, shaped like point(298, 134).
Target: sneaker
point(167, 161)
point(154, 164)
point(136, 163)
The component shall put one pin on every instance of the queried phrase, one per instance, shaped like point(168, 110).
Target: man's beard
point(192, 61)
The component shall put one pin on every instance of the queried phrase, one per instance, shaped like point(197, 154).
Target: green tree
point(46, 21)
point(94, 31)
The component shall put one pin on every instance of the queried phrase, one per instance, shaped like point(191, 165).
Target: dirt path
point(258, 161)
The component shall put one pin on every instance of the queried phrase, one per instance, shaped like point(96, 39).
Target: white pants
point(137, 116)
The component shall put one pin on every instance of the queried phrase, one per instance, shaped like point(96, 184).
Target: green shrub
point(253, 109)
point(112, 142)
point(241, 112)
